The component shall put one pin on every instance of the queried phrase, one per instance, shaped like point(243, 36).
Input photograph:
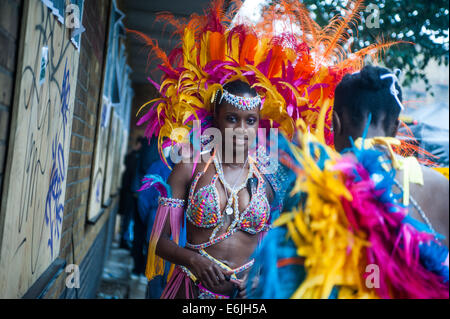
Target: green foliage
point(408, 20)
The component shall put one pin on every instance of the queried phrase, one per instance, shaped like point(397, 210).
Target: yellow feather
point(189, 49)
point(147, 103)
point(233, 52)
point(261, 50)
point(283, 219)
point(204, 50)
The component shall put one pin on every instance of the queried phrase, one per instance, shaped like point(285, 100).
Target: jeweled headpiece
point(240, 102)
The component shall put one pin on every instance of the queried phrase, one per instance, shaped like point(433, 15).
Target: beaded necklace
point(233, 199)
point(233, 190)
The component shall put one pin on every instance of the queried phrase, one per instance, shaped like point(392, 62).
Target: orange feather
point(154, 47)
point(276, 61)
point(248, 49)
point(216, 46)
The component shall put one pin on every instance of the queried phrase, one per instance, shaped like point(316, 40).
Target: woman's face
point(238, 127)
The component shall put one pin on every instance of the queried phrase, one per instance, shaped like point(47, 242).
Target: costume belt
point(207, 294)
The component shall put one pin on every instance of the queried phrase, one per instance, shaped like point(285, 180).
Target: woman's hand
point(206, 271)
point(242, 286)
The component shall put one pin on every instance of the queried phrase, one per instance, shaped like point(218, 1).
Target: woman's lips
point(241, 140)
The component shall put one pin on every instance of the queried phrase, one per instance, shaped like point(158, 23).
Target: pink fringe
point(395, 245)
point(173, 286)
point(160, 220)
point(176, 220)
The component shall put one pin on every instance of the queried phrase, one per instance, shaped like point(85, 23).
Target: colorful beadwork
point(188, 273)
point(277, 179)
point(213, 241)
point(204, 211)
point(243, 103)
point(255, 216)
point(203, 208)
point(218, 263)
point(206, 294)
point(244, 267)
point(171, 202)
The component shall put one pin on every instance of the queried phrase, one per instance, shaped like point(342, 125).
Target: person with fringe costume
point(233, 75)
point(350, 227)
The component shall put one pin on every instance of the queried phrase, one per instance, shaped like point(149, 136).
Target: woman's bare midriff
point(234, 251)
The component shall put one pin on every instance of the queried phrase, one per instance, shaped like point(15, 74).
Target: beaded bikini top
point(203, 208)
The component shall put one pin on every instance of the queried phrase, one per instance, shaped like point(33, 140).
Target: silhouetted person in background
point(127, 204)
point(148, 154)
point(147, 207)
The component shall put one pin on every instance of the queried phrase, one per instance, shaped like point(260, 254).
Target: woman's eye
point(231, 119)
point(251, 121)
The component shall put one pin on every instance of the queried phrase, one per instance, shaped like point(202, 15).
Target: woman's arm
point(206, 271)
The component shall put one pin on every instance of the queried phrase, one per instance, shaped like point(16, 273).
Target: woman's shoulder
point(186, 170)
point(181, 170)
point(435, 182)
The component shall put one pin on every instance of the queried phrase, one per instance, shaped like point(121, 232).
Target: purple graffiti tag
point(103, 120)
point(54, 207)
point(97, 191)
point(65, 97)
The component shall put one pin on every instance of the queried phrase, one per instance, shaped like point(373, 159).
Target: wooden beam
point(45, 281)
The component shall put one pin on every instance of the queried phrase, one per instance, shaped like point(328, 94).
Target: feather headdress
point(294, 71)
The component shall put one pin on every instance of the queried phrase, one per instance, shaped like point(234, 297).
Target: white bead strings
point(240, 102)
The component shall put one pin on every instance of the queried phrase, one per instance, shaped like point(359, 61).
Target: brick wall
point(78, 237)
point(10, 12)
point(82, 243)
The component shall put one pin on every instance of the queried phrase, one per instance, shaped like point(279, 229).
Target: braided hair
point(367, 92)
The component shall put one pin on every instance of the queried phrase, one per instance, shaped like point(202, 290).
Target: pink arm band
point(175, 209)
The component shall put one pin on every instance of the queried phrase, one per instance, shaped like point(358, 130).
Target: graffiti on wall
point(38, 154)
point(113, 118)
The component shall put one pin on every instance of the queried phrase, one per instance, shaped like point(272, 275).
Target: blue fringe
point(432, 257)
point(158, 179)
point(275, 283)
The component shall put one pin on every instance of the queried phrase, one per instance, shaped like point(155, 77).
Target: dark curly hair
point(365, 92)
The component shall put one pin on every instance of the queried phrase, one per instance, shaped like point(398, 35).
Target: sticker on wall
point(74, 18)
point(44, 63)
point(106, 111)
point(57, 7)
point(70, 14)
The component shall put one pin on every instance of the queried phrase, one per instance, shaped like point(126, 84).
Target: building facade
point(65, 105)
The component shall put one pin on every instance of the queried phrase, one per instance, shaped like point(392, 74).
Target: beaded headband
point(240, 102)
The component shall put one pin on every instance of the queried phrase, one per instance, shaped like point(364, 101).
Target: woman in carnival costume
point(364, 224)
point(423, 189)
point(241, 78)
